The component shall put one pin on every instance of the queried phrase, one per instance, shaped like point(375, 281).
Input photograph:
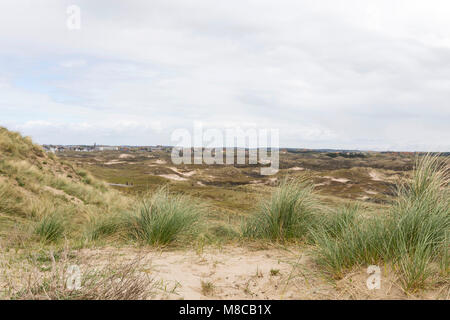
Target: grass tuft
point(164, 218)
point(288, 214)
point(346, 239)
point(50, 228)
point(413, 236)
point(103, 226)
point(208, 288)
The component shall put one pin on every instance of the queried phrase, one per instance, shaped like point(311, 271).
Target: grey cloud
point(335, 74)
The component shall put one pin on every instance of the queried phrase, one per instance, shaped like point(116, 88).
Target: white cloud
point(73, 63)
point(339, 74)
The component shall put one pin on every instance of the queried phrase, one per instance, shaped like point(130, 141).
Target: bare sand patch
point(340, 180)
point(375, 176)
point(186, 174)
point(321, 184)
point(125, 156)
point(114, 162)
point(172, 177)
point(245, 273)
point(264, 161)
point(234, 273)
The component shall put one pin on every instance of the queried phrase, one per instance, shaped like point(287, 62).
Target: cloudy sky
point(327, 74)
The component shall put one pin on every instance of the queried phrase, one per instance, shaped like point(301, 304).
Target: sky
point(368, 75)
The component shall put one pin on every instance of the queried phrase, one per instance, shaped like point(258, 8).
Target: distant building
point(106, 148)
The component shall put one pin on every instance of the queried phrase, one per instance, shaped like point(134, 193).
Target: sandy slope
point(245, 273)
point(233, 273)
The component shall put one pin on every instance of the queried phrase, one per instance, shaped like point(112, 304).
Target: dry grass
point(14, 144)
point(207, 288)
point(114, 281)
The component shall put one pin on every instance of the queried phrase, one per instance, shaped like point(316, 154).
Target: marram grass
point(288, 214)
point(164, 218)
point(50, 228)
point(413, 236)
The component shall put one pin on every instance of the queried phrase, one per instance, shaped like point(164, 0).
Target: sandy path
point(120, 185)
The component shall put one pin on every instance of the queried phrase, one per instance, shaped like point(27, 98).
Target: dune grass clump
point(413, 236)
point(420, 222)
point(421, 214)
point(345, 239)
point(288, 214)
point(50, 228)
point(164, 218)
point(103, 226)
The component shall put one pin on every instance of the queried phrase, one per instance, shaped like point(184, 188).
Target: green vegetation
point(289, 214)
point(347, 239)
point(274, 272)
point(163, 218)
point(103, 226)
point(413, 236)
point(420, 221)
point(50, 228)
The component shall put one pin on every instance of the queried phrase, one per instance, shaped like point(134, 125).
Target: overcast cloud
point(328, 74)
